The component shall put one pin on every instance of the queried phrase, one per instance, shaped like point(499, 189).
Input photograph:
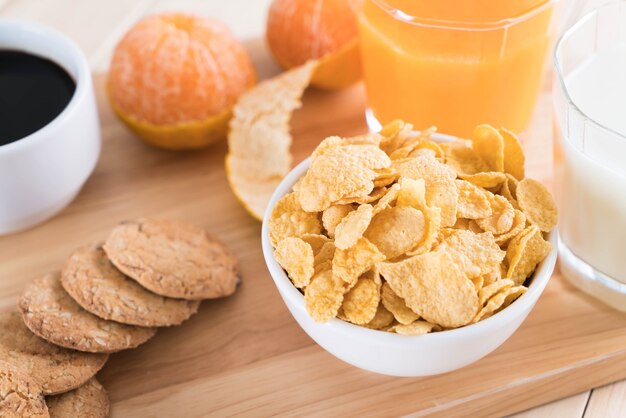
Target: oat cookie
point(173, 259)
point(20, 396)
point(55, 368)
point(88, 401)
point(49, 312)
point(100, 288)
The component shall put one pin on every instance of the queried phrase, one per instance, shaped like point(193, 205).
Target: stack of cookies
point(109, 297)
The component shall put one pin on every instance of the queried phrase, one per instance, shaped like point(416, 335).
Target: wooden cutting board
point(245, 355)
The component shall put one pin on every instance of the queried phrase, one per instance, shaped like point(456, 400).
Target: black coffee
point(33, 91)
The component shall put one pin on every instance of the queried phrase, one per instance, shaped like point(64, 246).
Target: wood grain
point(245, 355)
point(607, 401)
point(567, 407)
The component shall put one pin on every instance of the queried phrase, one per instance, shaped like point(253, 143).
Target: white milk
point(591, 169)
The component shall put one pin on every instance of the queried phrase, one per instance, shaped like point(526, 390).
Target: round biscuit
point(20, 395)
point(88, 401)
point(57, 369)
point(49, 312)
point(173, 259)
point(100, 288)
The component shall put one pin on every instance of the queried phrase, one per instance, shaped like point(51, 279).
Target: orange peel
point(259, 140)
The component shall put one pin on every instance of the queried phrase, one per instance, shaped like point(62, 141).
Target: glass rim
point(470, 26)
point(558, 67)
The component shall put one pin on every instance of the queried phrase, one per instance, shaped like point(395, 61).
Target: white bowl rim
point(540, 279)
point(82, 79)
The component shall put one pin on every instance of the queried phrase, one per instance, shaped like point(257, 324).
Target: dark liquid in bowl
point(33, 91)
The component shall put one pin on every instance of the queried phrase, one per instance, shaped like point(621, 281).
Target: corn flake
point(323, 296)
point(519, 222)
point(512, 294)
point(395, 135)
point(412, 193)
point(488, 291)
point(361, 302)
point(395, 304)
point(502, 215)
point(462, 223)
point(341, 172)
point(376, 194)
point(461, 157)
point(508, 190)
point(479, 282)
point(382, 319)
point(415, 328)
point(485, 180)
point(296, 257)
point(439, 179)
point(537, 204)
point(396, 230)
point(385, 178)
point(433, 227)
point(474, 227)
point(494, 275)
point(323, 260)
point(433, 287)
point(352, 226)
point(475, 254)
point(332, 142)
point(316, 241)
point(500, 300)
point(349, 264)
point(490, 307)
point(332, 216)
point(524, 252)
point(429, 145)
point(387, 200)
point(416, 142)
point(513, 154)
point(488, 144)
point(473, 202)
point(289, 220)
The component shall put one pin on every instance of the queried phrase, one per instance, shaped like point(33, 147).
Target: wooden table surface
point(96, 26)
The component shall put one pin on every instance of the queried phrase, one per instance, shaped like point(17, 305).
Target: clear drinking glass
point(590, 152)
point(454, 63)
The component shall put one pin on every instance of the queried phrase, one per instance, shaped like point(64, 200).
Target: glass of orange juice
point(454, 63)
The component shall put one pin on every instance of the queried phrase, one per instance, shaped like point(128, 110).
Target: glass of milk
point(590, 106)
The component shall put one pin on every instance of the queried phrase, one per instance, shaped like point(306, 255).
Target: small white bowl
point(399, 355)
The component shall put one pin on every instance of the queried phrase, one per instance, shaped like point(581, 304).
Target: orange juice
point(454, 63)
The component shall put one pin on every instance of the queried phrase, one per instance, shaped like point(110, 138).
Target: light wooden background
point(96, 25)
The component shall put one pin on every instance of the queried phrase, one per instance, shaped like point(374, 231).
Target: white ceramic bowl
point(42, 172)
point(399, 355)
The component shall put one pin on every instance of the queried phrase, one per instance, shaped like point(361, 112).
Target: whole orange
point(301, 30)
point(175, 77)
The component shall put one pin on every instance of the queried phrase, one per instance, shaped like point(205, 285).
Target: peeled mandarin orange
point(174, 79)
point(302, 30)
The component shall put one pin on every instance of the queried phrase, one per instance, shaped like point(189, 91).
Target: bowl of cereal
point(411, 254)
